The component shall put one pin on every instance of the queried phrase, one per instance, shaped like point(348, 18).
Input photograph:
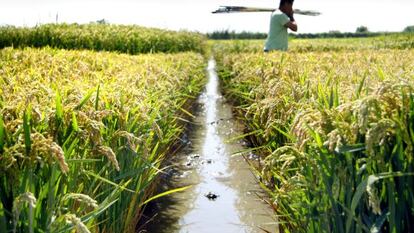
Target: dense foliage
point(335, 131)
point(102, 37)
point(393, 41)
point(233, 35)
point(409, 29)
point(83, 134)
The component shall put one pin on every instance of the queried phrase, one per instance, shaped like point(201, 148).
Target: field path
point(206, 164)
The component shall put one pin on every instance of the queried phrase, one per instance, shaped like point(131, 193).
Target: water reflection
point(207, 164)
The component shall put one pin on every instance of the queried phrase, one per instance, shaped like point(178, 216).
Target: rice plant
point(335, 132)
point(393, 41)
point(102, 37)
point(83, 135)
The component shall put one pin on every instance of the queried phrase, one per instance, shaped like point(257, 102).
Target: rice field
point(334, 131)
point(90, 113)
point(83, 135)
point(397, 41)
point(102, 37)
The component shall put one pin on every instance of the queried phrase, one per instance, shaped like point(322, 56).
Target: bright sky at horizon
point(195, 15)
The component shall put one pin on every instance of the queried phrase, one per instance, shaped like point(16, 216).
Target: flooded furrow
point(224, 195)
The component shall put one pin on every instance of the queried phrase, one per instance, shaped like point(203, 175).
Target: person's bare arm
point(292, 23)
point(292, 26)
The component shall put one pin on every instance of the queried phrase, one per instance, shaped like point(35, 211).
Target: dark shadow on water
point(157, 213)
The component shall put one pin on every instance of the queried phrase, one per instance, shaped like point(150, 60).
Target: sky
point(195, 15)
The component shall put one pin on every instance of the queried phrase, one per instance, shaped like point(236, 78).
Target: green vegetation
point(233, 35)
point(362, 29)
point(334, 129)
point(102, 37)
point(83, 135)
point(409, 29)
point(393, 41)
point(361, 33)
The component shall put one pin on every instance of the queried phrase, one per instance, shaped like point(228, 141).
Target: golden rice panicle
point(83, 198)
point(132, 140)
point(108, 152)
point(46, 147)
point(84, 105)
point(378, 133)
point(25, 198)
point(77, 223)
point(349, 112)
point(59, 155)
point(373, 198)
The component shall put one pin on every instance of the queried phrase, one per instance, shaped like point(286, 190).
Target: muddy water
point(207, 164)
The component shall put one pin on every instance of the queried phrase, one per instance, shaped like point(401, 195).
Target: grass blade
point(59, 108)
point(85, 99)
point(27, 130)
point(109, 182)
point(166, 193)
point(362, 188)
point(97, 98)
point(74, 122)
point(2, 135)
point(360, 86)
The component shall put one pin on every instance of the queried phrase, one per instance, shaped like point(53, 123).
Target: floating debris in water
point(195, 156)
point(211, 196)
point(208, 161)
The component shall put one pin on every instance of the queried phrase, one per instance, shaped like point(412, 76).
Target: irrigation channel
point(224, 195)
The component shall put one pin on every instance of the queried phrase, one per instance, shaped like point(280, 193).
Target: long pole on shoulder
point(239, 9)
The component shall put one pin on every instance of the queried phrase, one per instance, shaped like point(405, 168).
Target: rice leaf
point(109, 182)
point(59, 108)
point(187, 113)
point(285, 133)
point(2, 135)
point(109, 200)
point(362, 188)
point(360, 86)
point(331, 98)
point(336, 102)
point(351, 148)
point(85, 99)
point(165, 194)
point(74, 122)
point(97, 98)
point(27, 130)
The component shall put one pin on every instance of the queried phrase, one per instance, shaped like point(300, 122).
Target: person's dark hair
point(283, 2)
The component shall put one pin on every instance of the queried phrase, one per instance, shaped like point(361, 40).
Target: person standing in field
point(280, 21)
